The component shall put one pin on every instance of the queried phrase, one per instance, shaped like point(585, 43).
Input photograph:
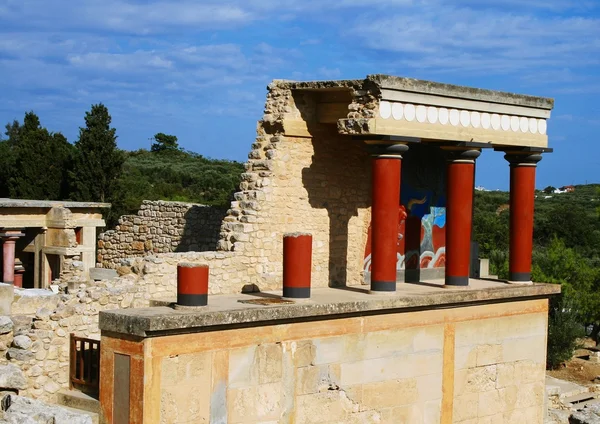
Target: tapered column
point(297, 265)
point(386, 174)
point(9, 238)
point(460, 179)
point(522, 195)
point(192, 285)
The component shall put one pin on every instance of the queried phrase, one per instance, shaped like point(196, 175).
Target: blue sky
point(199, 69)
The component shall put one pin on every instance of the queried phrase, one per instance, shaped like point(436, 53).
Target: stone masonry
point(161, 227)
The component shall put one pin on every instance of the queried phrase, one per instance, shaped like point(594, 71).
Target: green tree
point(98, 163)
point(37, 160)
point(164, 142)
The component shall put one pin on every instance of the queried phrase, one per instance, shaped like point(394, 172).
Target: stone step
point(78, 400)
point(581, 397)
point(93, 415)
point(583, 404)
point(563, 388)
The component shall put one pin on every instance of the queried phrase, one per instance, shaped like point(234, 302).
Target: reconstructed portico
point(43, 233)
point(379, 173)
point(461, 121)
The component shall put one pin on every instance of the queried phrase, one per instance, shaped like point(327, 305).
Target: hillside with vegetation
point(566, 251)
point(38, 164)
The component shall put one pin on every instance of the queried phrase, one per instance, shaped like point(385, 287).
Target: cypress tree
point(38, 161)
point(98, 163)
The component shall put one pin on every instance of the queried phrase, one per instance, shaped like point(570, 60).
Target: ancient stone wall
point(318, 184)
point(161, 227)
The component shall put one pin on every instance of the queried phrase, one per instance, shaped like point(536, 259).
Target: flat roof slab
point(326, 303)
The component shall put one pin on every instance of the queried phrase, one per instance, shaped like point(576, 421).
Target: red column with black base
point(192, 284)
point(297, 265)
point(9, 238)
point(460, 180)
point(386, 174)
point(522, 197)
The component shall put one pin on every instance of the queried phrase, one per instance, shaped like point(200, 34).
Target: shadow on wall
point(201, 229)
point(338, 180)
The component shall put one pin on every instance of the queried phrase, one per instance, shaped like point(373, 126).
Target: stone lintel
point(23, 203)
point(226, 310)
point(456, 91)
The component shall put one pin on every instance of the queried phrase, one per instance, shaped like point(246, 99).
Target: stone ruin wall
point(160, 227)
point(319, 185)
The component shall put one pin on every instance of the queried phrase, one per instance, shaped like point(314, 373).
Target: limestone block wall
point(161, 227)
point(35, 338)
point(469, 364)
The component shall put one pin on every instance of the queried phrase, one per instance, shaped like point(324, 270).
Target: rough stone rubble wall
point(319, 185)
point(161, 227)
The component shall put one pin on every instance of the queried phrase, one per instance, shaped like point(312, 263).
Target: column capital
point(387, 151)
point(523, 159)
point(462, 156)
point(9, 234)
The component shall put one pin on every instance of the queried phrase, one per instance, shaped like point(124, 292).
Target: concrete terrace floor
point(267, 306)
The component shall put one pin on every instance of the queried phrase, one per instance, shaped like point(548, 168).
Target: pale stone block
point(380, 344)
point(509, 397)
point(408, 414)
point(490, 403)
point(390, 393)
point(269, 398)
point(194, 367)
point(307, 380)
point(492, 419)
point(529, 372)
point(338, 349)
point(429, 387)
point(530, 395)
point(241, 367)
point(269, 363)
point(241, 405)
point(465, 407)
point(465, 357)
point(331, 406)
point(481, 379)
point(397, 367)
point(531, 348)
point(304, 354)
point(472, 333)
point(525, 415)
point(505, 375)
point(432, 411)
point(488, 354)
point(428, 338)
point(185, 403)
point(520, 326)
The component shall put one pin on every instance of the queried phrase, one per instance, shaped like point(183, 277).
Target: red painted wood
point(192, 279)
point(522, 195)
point(297, 260)
point(459, 213)
point(386, 200)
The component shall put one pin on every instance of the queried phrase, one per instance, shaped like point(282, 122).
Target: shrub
point(564, 330)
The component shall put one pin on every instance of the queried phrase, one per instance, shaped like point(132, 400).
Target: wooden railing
point(84, 364)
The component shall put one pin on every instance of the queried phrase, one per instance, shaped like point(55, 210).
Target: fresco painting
point(422, 224)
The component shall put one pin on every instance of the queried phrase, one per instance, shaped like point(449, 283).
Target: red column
point(386, 174)
point(522, 196)
point(192, 284)
point(19, 271)
point(460, 179)
point(297, 265)
point(8, 254)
